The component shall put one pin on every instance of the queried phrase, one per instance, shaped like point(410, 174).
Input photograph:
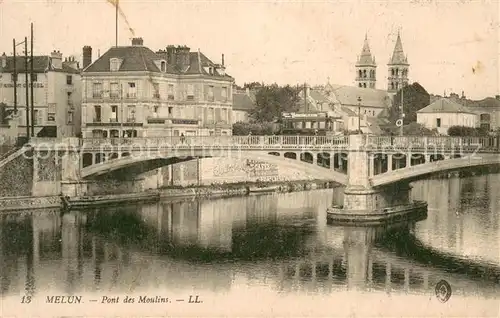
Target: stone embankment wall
point(16, 177)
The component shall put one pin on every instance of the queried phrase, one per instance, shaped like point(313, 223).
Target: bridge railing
point(261, 142)
point(488, 143)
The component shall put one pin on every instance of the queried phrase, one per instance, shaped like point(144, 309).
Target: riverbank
point(242, 188)
point(166, 193)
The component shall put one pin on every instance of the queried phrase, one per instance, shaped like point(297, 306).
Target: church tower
point(366, 67)
point(398, 68)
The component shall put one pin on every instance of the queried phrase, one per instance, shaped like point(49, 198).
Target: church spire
point(366, 67)
point(398, 68)
point(366, 57)
point(398, 55)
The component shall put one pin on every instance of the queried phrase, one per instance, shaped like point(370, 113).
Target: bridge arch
point(156, 161)
point(417, 171)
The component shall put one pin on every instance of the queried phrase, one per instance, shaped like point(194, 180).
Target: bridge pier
point(366, 204)
point(53, 169)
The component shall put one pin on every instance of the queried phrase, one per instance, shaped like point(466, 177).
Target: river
point(258, 256)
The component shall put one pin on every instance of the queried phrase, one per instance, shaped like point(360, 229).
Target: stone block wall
point(16, 177)
point(112, 186)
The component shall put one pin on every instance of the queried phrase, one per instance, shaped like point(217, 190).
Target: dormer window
point(114, 64)
point(163, 66)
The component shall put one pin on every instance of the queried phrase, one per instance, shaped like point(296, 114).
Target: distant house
point(488, 109)
point(344, 117)
point(370, 102)
point(243, 104)
point(444, 113)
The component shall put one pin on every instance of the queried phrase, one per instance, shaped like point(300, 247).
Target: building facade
point(243, 104)
point(56, 95)
point(131, 91)
point(444, 113)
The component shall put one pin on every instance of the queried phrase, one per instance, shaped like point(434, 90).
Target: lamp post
point(402, 109)
point(25, 42)
point(359, 114)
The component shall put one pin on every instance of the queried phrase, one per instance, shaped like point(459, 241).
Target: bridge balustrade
point(482, 144)
point(259, 142)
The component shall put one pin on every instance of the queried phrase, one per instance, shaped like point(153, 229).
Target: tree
point(244, 129)
point(272, 100)
point(415, 97)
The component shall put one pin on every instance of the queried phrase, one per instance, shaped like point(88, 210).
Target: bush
point(412, 129)
point(465, 131)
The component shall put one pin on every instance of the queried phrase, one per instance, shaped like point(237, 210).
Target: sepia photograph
point(249, 158)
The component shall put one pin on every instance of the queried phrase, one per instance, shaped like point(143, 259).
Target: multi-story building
point(132, 91)
point(56, 95)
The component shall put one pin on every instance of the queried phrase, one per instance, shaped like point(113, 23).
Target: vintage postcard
point(249, 158)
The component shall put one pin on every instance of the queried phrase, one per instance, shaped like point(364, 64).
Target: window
point(360, 85)
point(69, 118)
point(97, 114)
point(438, 122)
point(114, 91)
point(131, 113)
point(114, 64)
point(97, 90)
point(170, 111)
point(364, 73)
point(171, 91)
point(485, 126)
point(14, 77)
point(51, 112)
point(210, 93)
point(113, 118)
point(36, 121)
point(485, 117)
point(69, 99)
point(156, 90)
point(360, 74)
point(155, 110)
point(163, 66)
point(190, 92)
point(224, 94)
point(69, 79)
point(34, 77)
point(131, 90)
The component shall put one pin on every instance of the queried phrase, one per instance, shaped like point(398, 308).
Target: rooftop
point(141, 58)
point(445, 105)
point(41, 64)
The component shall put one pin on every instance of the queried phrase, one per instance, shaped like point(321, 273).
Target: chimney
point(171, 55)
point(3, 60)
point(137, 42)
point(247, 90)
point(222, 59)
point(56, 59)
point(87, 56)
point(71, 62)
point(183, 56)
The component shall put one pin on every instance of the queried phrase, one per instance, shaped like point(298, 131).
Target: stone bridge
point(363, 163)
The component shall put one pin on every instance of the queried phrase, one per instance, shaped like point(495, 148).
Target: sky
point(452, 46)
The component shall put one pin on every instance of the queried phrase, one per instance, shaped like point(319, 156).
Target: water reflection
point(279, 241)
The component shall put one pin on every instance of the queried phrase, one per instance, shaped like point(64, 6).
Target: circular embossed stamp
point(443, 291)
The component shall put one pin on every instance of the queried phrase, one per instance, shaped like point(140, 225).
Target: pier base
point(369, 206)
